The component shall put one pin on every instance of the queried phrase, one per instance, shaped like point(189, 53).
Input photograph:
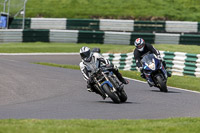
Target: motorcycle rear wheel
point(162, 85)
point(112, 95)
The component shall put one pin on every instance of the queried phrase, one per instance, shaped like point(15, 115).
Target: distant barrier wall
point(107, 25)
point(103, 37)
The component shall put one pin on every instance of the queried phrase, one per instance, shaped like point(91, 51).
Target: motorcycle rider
point(89, 58)
point(143, 49)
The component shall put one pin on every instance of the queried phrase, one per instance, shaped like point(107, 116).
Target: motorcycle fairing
point(148, 71)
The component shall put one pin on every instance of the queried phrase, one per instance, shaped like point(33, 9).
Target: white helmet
point(86, 54)
point(139, 43)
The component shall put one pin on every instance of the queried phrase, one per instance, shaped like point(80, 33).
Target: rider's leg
point(119, 76)
point(165, 66)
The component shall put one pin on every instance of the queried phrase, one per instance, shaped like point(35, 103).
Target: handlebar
point(102, 68)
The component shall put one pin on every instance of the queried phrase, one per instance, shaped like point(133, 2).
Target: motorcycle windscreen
point(92, 65)
point(147, 59)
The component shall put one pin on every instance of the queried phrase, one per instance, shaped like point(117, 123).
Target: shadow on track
point(164, 92)
point(110, 102)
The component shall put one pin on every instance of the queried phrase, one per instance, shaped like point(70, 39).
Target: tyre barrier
point(107, 25)
point(102, 37)
point(177, 62)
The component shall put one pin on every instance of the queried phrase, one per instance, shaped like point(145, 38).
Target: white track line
point(168, 86)
point(39, 53)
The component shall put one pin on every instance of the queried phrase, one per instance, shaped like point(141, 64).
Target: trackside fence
point(177, 62)
point(103, 37)
point(107, 25)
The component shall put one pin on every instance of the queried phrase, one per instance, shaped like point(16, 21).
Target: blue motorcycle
point(106, 83)
point(154, 71)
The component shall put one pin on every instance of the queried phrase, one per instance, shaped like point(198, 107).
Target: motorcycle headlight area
point(151, 65)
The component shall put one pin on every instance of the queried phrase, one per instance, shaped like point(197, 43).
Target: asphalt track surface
point(42, 92)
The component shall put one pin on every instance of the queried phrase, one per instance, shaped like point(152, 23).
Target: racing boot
point(150, 84)
point(142, 75)
point(169, 74)
point(124, 81)
point(89, 88)
point(165, 66)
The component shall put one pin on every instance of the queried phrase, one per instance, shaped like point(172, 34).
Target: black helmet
point(86, 54)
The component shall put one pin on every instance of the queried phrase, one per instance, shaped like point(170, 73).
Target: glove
point(109, 66)
point(90, 81)
point(159, 57)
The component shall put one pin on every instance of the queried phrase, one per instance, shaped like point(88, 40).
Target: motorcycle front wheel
point(112, 95)
point(162, 85)
point(122, 96)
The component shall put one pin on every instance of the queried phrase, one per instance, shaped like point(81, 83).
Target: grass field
point(123, 9)
point(105, 48)
point(175, 125)
point(128, 9)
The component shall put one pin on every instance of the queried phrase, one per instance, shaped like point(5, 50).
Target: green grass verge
point(75, 67)
point(57, 47)
point(129, 9)
point(71, 47)
point(175, 125)
point(174, 81)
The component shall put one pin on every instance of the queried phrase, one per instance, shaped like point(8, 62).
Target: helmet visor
point(140, 46)
point(85, 55)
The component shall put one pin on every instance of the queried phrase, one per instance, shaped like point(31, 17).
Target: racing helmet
point(139, 44)
point(85, 54)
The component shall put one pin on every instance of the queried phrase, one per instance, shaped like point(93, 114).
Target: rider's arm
point(84, 71)
point(105, 61)
point(152, 49)
point(137, 59)
point(102, 59)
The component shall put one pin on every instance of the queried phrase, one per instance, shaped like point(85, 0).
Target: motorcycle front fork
point(112, 88)
point(100, 91)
